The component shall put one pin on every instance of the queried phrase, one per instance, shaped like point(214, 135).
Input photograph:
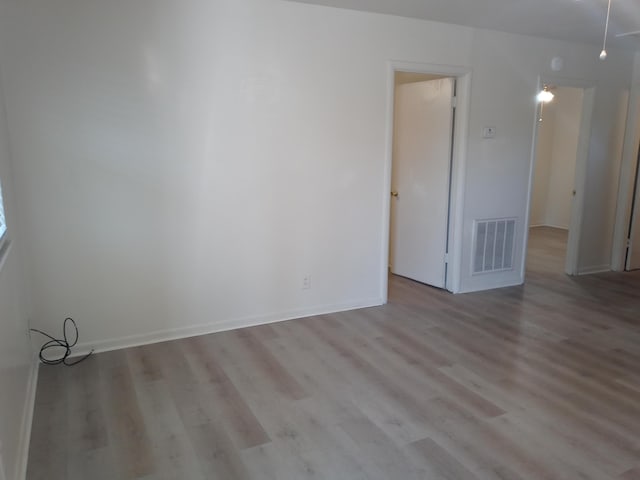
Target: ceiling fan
point(603, 54)
point(628, 34)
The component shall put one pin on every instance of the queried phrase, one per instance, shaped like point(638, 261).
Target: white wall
point(504, 96)
point(16, 365)
point(182, 165)
point(556, 159)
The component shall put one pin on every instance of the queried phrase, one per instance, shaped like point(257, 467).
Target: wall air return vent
point(493, 245)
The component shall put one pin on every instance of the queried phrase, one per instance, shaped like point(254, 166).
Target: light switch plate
point(489, 132)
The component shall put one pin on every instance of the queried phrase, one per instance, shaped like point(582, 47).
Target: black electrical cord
point(60, 343)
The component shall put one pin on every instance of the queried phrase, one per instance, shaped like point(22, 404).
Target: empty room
point(320, 239)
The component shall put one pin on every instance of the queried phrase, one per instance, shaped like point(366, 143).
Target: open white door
point(423, 127)
point(633, 252)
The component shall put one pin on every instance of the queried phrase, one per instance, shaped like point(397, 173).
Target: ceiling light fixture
point(603, 53)
point(545, 95)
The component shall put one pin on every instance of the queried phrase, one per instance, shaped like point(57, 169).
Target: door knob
point(394, 194)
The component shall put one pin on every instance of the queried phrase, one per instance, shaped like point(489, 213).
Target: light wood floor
point(534, 382)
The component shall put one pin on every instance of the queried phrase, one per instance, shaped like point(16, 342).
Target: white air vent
point(493, 245)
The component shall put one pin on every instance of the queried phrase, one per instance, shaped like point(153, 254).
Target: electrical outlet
point(306, 282)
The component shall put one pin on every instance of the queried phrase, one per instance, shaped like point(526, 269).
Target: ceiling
point(572, 20)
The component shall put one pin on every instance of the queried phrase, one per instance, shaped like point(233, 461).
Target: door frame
point(462, 76)
point(628, 172)
point(421, 173)
point(633, 218)
point(580, 176)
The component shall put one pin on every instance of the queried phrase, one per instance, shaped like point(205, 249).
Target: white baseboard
point(594, 269)
point(27, 421)
point(221, 326)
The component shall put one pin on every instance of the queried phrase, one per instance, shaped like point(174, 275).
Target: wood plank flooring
point(533, 382)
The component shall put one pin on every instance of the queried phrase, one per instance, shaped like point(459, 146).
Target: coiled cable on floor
point(60, 343)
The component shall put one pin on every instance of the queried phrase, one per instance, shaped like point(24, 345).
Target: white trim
point(27, 421)
point(459, 173)
point(461, 127)
point(594, 269)
point(582, 157)
point(215, 327)
point(386, 186)
point(532, 172)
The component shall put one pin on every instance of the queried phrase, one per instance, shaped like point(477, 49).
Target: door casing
point(628, 172)
point(461, 127)
point(577, 207)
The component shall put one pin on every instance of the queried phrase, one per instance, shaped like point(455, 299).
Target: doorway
point(552, 245)
point(455, 188)
point(632, 260)
point(424, 116)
